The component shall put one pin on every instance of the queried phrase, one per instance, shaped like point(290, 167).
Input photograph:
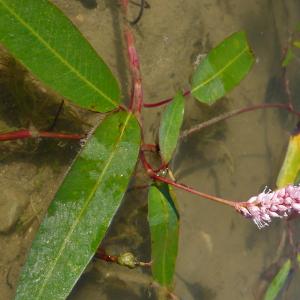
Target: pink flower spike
point(244, 211)
point(282, 208)
point(274, 214)
point(296, 206)
point(267, 205)
point(288, 201)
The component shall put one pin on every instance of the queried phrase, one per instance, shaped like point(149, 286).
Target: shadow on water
point(89, 3)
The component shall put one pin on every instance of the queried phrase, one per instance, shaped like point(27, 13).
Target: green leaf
point(222, 69)
point(291, 165)
point(50, 46)
point(82, 210)
point(170, 127)
point(163, 220)
point(278, 281)
point(288, 58)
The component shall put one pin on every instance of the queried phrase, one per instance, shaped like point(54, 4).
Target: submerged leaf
point(222, 69)
point(169, 129)
point(163, 220)
point(291, 165)
point(278, 281)
point(49, 45)
point(82, 210)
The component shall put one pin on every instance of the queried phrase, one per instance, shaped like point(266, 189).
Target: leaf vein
point(220, 71)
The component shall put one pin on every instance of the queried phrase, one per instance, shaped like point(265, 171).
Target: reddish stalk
point(236, 112)
point(26, 133)
point(101, 254)
point(136, 98)
point(181, 186)
point(194, 192)
point(165, 101)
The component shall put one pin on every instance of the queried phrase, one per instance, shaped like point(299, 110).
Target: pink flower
point(267, 205)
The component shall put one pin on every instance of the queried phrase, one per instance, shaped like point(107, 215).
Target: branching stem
point(165, 101)
point(236, 112)
point(181, 186)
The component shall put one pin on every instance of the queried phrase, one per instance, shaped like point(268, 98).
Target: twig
point(26, 133)
point(141, 11)
point(181, 186)
point(239, 111)
point(165, 101)
point(137, 98)
point(59, 110)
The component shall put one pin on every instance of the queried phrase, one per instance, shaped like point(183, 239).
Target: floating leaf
point(164, 226)
point(291, 164)
point(288, 58)
point(82, 210)
point(278, 281)
point(170, 127)
point(50, 46)
point(222, 69)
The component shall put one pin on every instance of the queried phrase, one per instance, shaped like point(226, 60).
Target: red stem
point(233, 113)
point(25, 133)
point(181, 186)
point(165, 101)
point(194, 192)
point(136, 98)
point(101, 254)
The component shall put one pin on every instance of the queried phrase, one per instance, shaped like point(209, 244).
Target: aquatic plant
point(281, 203)
point(85, 204)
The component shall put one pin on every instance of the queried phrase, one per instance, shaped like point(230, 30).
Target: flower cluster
point(271, 204)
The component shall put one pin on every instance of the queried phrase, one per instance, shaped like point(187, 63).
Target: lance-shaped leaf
point(163, 220)
point(49, 45)
point(82, 210)
point(278, 282)
point(222, 69)
point(291, 165)
point(169, 129)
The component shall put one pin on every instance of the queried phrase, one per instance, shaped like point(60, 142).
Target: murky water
point(222, 255)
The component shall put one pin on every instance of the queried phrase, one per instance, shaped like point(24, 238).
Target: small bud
point(127, 259)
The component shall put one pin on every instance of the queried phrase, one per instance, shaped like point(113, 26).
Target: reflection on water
point(222, 256)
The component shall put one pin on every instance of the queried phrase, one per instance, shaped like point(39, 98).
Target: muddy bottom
point(221, 255)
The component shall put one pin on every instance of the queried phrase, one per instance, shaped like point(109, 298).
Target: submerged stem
point(26, 133)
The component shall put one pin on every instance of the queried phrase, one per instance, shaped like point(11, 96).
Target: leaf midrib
point(77, 220)
point(166, 214)
point(55, 53)
point(220, 71)
point(170, 124)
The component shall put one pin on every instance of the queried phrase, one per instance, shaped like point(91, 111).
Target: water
point(222, 255)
